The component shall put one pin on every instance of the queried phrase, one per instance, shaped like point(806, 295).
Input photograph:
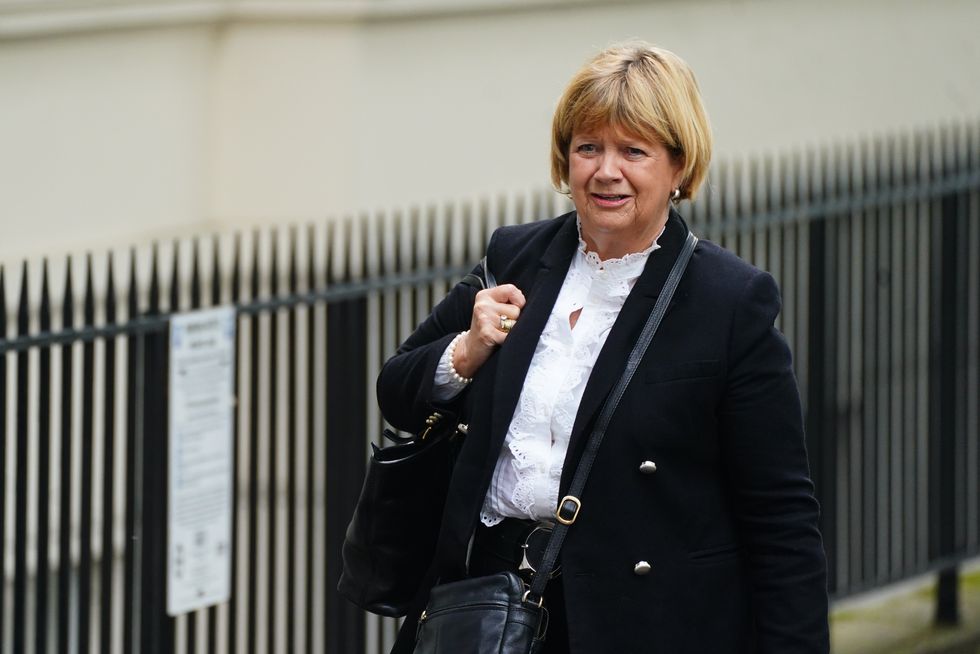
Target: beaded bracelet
point(452, 352)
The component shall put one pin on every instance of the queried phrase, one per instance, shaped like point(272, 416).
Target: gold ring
point(506, 324)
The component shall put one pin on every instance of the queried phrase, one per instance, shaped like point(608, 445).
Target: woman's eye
point(587, 148)
point(635, 153)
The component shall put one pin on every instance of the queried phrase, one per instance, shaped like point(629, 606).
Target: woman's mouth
point(609, 199)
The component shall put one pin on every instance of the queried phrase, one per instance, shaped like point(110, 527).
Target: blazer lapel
point(611, 362)
point(507, 369)
point(514, 357)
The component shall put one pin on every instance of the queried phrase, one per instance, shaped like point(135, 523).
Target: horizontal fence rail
point(875, 245)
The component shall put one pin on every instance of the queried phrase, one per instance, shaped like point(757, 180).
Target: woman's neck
point(608, 246)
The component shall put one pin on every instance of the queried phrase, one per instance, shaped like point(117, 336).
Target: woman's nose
point(610, 169)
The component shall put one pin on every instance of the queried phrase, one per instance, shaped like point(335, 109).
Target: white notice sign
point(202, 372)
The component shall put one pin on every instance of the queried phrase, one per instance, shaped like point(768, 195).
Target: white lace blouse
point(525, 480)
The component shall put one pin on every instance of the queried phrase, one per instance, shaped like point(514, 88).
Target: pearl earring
point(675, 195)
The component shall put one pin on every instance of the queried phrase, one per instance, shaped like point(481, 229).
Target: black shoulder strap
point(474, 280)
point(569, 505)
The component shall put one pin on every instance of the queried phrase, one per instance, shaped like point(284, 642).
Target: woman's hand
point(485, 334)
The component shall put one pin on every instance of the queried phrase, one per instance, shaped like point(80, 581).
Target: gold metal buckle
point(527, 593)
point(564, 508)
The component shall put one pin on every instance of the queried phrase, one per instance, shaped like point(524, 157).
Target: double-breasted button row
point(642, 567)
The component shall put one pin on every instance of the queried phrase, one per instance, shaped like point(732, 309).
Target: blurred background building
point(331, 166)
point(123, 121)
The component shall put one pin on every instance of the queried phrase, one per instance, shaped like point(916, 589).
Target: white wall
point(231, 114)
point(284, 122)
point(101, 138)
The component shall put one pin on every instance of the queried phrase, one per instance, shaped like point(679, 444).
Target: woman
point(698, 528)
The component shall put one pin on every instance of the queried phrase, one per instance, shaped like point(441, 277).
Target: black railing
point(876, 247)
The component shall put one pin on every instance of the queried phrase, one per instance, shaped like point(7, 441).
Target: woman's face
point(621, 187)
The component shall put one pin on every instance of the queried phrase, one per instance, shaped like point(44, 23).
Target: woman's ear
point(678, 181)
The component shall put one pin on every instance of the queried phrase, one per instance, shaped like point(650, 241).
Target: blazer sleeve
point(405, 383)
point(773, 500)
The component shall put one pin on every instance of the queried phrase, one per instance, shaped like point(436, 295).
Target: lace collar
point(627, 267)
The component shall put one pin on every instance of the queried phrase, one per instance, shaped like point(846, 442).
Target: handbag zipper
point(426, 615)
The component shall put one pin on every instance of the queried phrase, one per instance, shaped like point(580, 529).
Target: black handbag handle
point(474, 280)
point(570, 505)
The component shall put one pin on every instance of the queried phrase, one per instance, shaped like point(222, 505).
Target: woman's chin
point(606, 221)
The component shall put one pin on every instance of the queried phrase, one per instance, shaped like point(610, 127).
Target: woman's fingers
point(507, 294)
point(506, 300)
point(495, 312)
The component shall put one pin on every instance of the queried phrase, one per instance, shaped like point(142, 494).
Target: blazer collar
point(506, 370)
point(611, 361)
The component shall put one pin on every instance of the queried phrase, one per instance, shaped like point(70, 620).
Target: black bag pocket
point(483, 615)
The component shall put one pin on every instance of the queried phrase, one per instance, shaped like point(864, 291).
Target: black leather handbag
point(483, 615)
point(391, 539)
point(499, 614)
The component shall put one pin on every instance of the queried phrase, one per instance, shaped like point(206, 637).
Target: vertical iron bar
point(272, 492)
point(925, 328)
point(156, 627)
point(108, 469)
point(869, 365)
point(236, 476)
point(883, 374)
point(43, 471)
point(174, 305)
point(21, 473)
point(291, 407)
point(334, 234)
point(346, 399)
point(973, 341)
point(133, 341)
point(85, 533)
point(196, 291)
point(915, 259)
point(899, 357)
point(3, 449)
point(851, 289)
point(253, 457)
point(215, 271)
point(192, 616)
point(961, 378)
point(886, 431)
point(822, 186)
point(310, 438)
point(944, 408)
point(212, 613)
point(820, 414)
point(65, 470)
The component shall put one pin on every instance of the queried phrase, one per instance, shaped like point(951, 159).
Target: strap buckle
point(529, 599)
point(568, 509)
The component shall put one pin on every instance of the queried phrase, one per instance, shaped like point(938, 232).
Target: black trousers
point(498, 549)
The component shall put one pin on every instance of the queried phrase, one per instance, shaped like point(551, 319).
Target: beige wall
point(187, 116)
point(101, 138)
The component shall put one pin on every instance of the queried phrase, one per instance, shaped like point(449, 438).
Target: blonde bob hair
point(644, 90)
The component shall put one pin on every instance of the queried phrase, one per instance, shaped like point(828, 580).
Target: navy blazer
point(728, 521)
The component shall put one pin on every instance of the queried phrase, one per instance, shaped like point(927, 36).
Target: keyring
point(536, 541)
